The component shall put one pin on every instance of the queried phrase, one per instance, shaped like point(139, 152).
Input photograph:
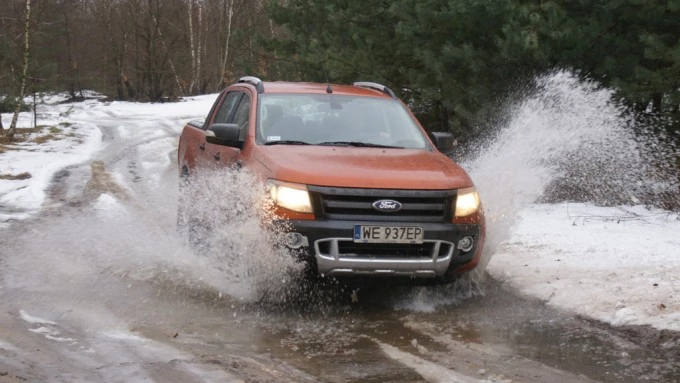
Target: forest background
point(456, 62)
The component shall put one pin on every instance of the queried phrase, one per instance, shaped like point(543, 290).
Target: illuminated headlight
point(467, 202)
point(290, 196)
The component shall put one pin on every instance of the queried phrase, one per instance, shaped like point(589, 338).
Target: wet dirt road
point(99, 288)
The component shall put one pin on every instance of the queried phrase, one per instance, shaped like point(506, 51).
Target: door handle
point(216, 156)
point(202, 147)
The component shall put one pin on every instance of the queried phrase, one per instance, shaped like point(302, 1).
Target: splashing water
point(231, 224)
point(568, 140)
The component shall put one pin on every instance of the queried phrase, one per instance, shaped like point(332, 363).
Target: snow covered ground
point(67, 143)
point(75, 139)
point(619, 265)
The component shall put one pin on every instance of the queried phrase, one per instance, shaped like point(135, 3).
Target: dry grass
point(14, 177)
point(53, 133)
point(21, 135)
point(25, 131)
point(4, 140)
point(48, 137)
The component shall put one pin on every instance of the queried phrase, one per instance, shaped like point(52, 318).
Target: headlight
point(467, 202)
point(290, 196)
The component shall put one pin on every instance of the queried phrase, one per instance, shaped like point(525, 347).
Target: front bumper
point(332, 248)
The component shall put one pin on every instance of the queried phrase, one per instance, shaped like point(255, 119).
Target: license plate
point(388, 234)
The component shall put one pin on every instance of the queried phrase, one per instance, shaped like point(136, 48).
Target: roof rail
point(376, 86)
point(254, 81)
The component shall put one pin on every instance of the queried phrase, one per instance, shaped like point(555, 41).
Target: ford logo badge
point(387, 205)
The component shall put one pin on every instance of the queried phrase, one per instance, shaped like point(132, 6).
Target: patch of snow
point(106, 202)
point(49, 332)
point(121, 335)
point(43, 330)
point(34, 320)
point(60, 339)
point(430, 371)
point(7, 346)
point(620, 265)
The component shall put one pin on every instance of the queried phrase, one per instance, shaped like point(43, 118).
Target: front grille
point(354, 204)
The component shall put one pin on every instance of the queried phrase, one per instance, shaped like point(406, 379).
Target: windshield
point(327, 119)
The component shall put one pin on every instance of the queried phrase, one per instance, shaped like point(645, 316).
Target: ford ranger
point(366, 192)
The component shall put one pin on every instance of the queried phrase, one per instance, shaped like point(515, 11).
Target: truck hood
point(363, 167)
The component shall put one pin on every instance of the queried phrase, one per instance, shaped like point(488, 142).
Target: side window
point(226, 109)
point(242, 116)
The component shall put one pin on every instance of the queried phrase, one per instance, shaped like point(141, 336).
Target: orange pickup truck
point(365, 190)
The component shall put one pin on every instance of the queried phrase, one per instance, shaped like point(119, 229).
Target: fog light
point(296, 240)
point(466, 244)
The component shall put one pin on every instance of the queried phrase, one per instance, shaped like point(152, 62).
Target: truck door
point(226, 155)
point(210, 155)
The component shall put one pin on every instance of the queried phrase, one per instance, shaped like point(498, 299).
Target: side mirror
point(444, 141)
point(224, 134)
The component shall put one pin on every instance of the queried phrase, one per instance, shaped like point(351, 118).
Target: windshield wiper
point(286, 142)
point(358, 144)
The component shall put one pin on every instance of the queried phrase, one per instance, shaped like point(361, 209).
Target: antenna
point(329, 89)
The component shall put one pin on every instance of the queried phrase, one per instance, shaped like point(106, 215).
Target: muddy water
point(497, 336)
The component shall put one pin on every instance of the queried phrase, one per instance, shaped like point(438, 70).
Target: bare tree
point(196, 43)
point(69, 9)
point(190, 15)
point(172, 65)
point(20, 97)
point(229, 10)
point(133, 49)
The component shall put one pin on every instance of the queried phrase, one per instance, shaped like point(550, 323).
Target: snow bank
point(619, 265)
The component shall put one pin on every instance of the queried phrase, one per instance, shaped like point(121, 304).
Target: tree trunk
point(172, 65)
point(199, 40)
point(20, 98)
point(130, 89)
point(191, 47)
point(223, 74)
point(73, 65)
